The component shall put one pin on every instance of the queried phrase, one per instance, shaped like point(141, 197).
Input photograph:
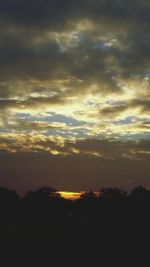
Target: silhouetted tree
point(139, 207)
point(88, 195)
point(140, 193)
point(112, 193)
point(43, 213)
point(10, 205)
point(42, 194)
point(113, 206)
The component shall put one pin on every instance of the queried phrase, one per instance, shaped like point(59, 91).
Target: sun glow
point(70, 195)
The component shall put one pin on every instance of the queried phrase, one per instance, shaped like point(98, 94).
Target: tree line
point(43, 213)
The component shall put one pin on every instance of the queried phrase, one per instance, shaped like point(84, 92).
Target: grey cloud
point(17, 48)
point(104, 149)
point(113, 110)
point(23, 59)
point(114, 149)
point(144, 104)
point(25, 126)
point(76, 171)
point(38, 12)
point(30, 102)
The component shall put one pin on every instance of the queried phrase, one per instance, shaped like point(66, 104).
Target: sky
point(74, 94)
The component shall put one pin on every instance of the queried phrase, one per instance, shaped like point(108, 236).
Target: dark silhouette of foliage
point(112, 193)
point(42, 194)
point(140, 193)
point(114, 215)
point(88, 195)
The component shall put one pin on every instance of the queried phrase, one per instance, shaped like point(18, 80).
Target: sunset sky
point(74, 94)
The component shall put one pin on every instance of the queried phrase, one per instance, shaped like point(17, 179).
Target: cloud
point(74, 93)
point(143, 104)
point(112, 111)
point(81, 165)
point(57, 145)
point(88, 60)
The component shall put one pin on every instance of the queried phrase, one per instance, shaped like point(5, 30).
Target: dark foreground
point(108, 228)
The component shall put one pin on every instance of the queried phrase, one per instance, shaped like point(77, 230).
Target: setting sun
point(70, 195)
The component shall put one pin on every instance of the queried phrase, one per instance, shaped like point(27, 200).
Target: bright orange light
point(70, 195)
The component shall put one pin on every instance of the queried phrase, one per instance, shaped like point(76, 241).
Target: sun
point(70, 195)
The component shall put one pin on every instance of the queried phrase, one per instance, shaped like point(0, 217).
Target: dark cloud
point(20, 58)
point(104, 149)
point(113, 149)
point(144, 104)
point(31, 102)
point(77, 172)
point(116, 110)
point(35, 13)
point(27, 53)
point(113, 110)
point(145, 125)
point(26, 126)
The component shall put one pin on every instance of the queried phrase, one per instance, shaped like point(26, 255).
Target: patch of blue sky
point(147, 75)
point(128, 120)
point(80, 133)
point(115, 103)
point(138, 137)
point(123, 137)
point(52, 132)
point(101, 46)
point(141, 75)
point(65, 119)
point(19, 115)
point(3, 130)
point(82, 40)
point(132, 137)
point(52, 117)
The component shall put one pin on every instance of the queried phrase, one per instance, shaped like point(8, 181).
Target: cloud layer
point(75, 78)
